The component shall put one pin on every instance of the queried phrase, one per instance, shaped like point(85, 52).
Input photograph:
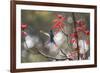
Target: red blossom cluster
point(82, 27)
point(73, 40)
point(73, 35)
point(24, 33)
point(23, 27)
point(58, 22)
point(72, 55)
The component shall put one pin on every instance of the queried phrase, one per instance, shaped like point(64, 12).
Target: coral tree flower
point(55, 20)
point(73, 40)
point(61, 17)
point(80, 22)
point(82, 27)
point(78, 28)
point(23, 26)
point(58, 23)
point(72, 55)
point(87, 32)
point(73, 35)
point(24, 33)
point(87, 42)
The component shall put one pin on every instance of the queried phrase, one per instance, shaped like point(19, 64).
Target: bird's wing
point(45, 33)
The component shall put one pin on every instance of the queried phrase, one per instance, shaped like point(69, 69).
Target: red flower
point(87, 42)
point(80, 22)
point(61, 17)
point(72, 40)
point(72, 55)
point(77, 22)
point(78, 28)
point(55, 20)
point(87, 32)
point(24, 26)
point(73, 35)
point(58, 25)
point(83, 27)
point(24, 33)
